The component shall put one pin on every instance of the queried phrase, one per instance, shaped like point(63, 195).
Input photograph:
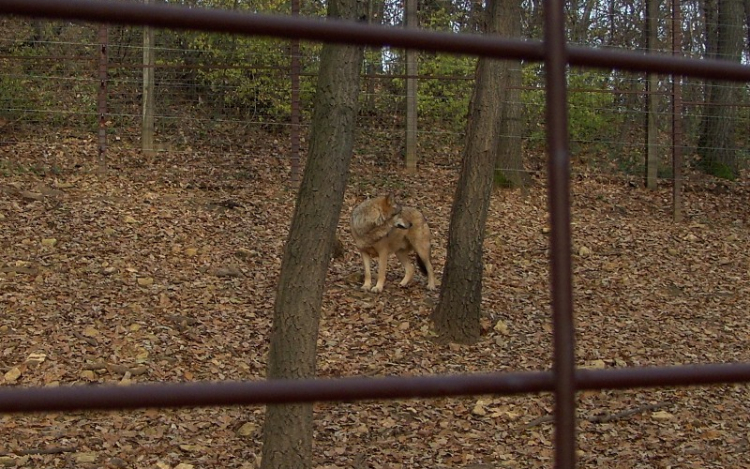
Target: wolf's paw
point(377, 289)
point(431, 287)
point(403, 284)
point(365, 287)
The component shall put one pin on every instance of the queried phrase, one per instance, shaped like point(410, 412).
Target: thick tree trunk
point(717, 146)
point(457, 315)
point(288, 429)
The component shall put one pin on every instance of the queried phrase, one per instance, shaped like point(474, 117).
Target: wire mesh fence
point(212, 89)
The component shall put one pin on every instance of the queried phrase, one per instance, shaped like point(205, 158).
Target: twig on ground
point(604, 418)
point(50, 450)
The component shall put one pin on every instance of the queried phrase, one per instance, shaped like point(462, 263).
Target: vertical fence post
point(652, 84)
point(558, 156)
point(102, 95)
point(677, 211)
point(295, 111)
point(147, 124)
point(410, 21)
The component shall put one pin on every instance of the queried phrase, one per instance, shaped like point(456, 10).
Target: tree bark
point(457, 315)
point(509, 169)
point(716, 145)
point(288, 429)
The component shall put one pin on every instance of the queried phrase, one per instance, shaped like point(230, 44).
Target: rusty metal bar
point(558, 193)
point(140, 396)
point(175, 17)
point(328, 30)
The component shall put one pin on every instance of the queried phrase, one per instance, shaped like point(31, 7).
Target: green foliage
point(501, 181)
point(36, 84)
point(445, 102)
point(439, 19)
point(586, 110)
point(587, 116)
point(253, 82)
point(718, 169)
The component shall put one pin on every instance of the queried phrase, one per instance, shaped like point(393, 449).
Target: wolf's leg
point(382, 267)
point(424, 255)
point(403, 256)
point(368, 275)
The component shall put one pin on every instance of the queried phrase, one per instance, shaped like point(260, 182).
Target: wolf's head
point(392, 213)
point(388, 207)
point(399, 222)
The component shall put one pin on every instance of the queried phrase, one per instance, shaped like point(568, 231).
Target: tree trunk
point(288, 429)
point(717, 146)
point(509, 169)
point(457, 315)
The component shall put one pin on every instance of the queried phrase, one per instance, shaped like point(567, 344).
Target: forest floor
point(165, 270)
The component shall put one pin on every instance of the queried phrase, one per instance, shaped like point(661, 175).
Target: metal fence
point(564, 379)
point(209, 97)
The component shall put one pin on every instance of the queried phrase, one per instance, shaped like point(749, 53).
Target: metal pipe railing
point(140, 396)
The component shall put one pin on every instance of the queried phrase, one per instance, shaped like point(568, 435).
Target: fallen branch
point(627, 413)
point(604, 418)
point(50, 450)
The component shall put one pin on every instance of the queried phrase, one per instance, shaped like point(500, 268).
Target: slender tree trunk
point(717, 146)
point(288, 429)
point(457, 315)
point(509, 169)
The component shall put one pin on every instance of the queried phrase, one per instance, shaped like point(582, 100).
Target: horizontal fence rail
point(140, 396)
point(174, 17)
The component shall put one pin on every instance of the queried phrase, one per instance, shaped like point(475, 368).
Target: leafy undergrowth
point(164, 270)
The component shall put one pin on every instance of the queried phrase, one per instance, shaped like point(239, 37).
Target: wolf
point(380, 226)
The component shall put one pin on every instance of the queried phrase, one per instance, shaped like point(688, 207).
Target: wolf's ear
point(403, 224)
point(388, 198)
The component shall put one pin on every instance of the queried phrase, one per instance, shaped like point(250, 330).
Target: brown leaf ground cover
point(165, 270)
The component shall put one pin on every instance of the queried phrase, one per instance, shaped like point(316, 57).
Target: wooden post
point(147, 129)
point(294, 132)
point(410, 21)
point(652, 85)
point(677, 205)
point(102, 98)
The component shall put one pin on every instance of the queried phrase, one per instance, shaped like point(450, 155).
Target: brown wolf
point(380, 227)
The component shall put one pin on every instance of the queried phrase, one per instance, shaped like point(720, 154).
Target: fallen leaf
point(247, 429)
point(145, 281)
point(501, 327)
point(36, 358)
point(662, 415)
point(49, 242)
point(479, 408)
point(12, 375)
point(86, 458)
